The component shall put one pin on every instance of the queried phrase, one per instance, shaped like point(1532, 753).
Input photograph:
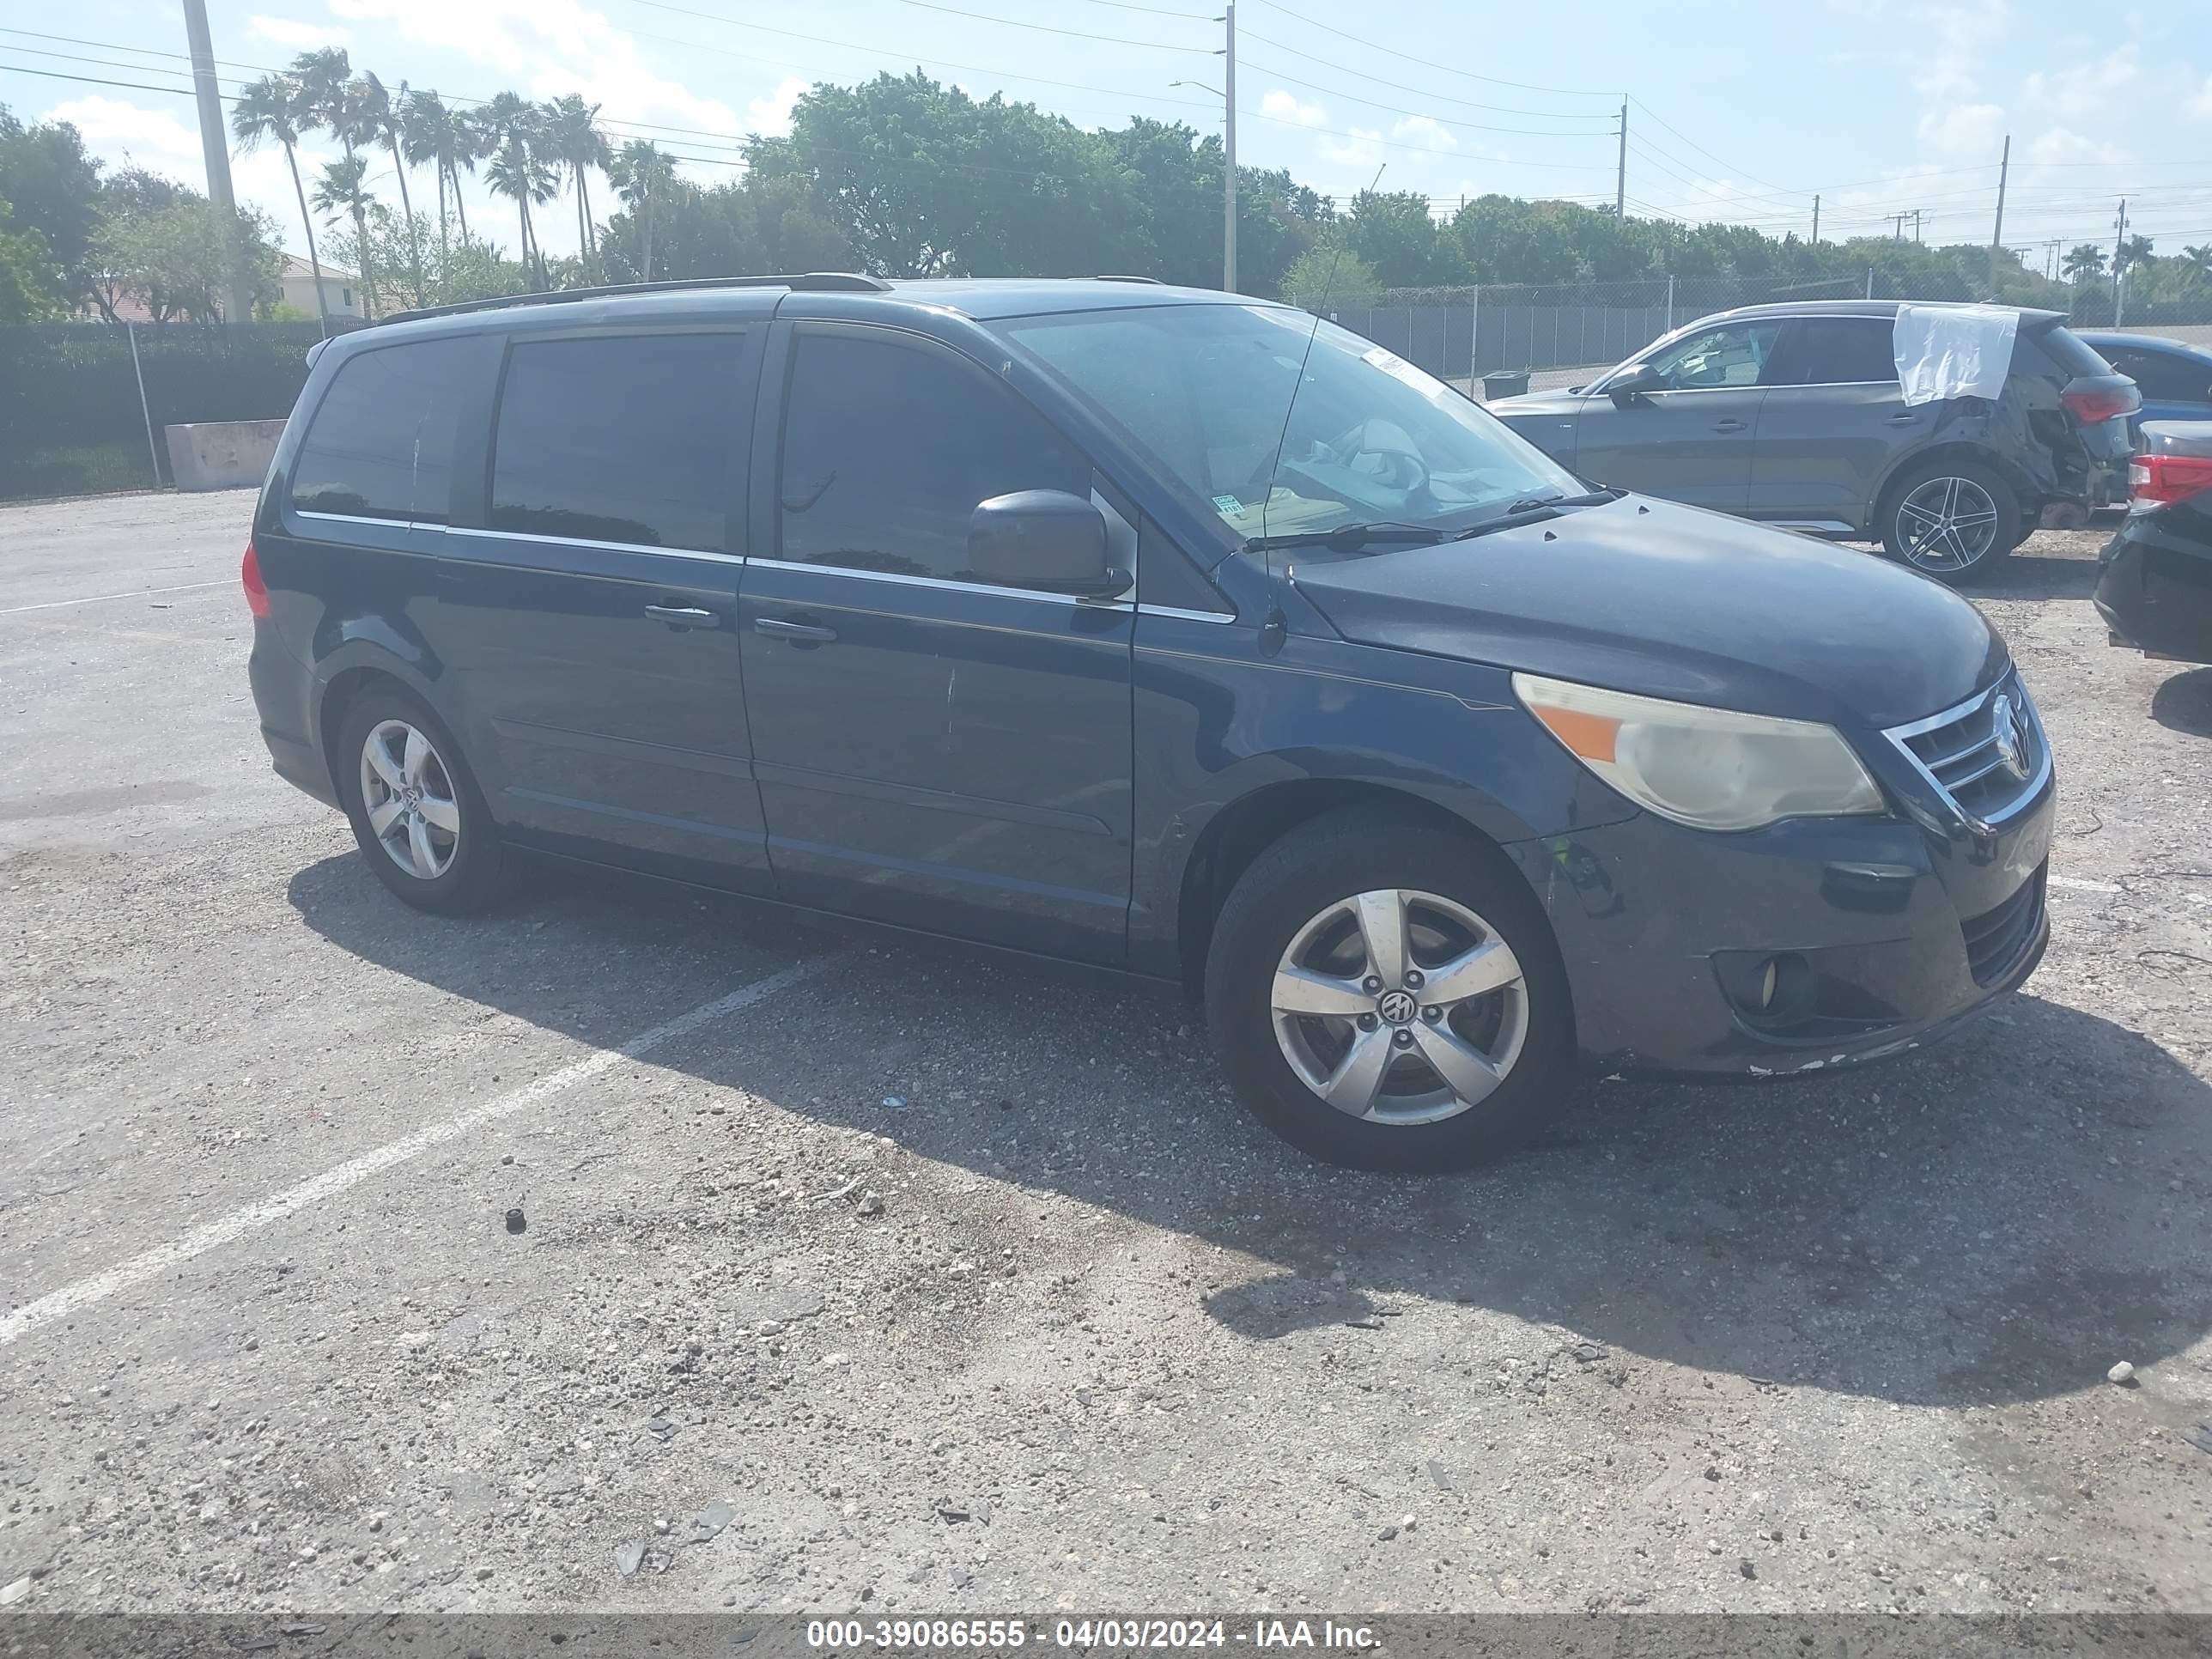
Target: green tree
point(345, 190)
point(2196, 259)
point(173, 257)
point(52, 188)
point(1329, 277)
point(274, 108)
point(520, 170)
point(2135, 251)
point(458, 268)
point(2084, 263)
point(1392, 233)
point(33, 287)
point(433, 134)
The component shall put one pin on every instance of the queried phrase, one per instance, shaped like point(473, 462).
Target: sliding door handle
point(803, 632)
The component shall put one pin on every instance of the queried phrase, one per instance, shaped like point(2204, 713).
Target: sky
point(1879, 106)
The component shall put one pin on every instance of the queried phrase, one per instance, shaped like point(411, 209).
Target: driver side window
point(1731, 355)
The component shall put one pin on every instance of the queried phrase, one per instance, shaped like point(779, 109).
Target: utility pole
point(1996, 236)
point(1897, 235)
point(215, 150)
point(2119, 273)
point(1620, 171)
point(1916, 226)
point(1816, 220)
point(1229, 159)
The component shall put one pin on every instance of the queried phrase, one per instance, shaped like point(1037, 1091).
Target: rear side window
point(2067, 350)
point(888, 448)
point(619, 438)
point(381, 442)
point(2168, 376)
point(1836, 350)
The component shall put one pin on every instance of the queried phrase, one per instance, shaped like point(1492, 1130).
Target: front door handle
point(1908, 418)
point(682, 616)
point(1727, 426)
point(809, 633)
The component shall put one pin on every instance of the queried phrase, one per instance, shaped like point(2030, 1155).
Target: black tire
point(1319, 866)
point(1903, 532)
point(475, 874)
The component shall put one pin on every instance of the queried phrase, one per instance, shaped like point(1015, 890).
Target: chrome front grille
point(1987, 757)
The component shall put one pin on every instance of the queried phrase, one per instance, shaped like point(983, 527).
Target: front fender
point(1220, 721)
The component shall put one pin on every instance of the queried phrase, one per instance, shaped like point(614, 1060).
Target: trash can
point(1503, 383)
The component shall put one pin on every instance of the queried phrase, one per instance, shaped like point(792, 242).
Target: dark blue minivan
point(1158, 630)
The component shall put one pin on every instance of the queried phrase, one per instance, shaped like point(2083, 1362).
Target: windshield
point(1205, 389)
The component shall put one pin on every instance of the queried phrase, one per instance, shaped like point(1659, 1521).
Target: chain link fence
point(82, 405)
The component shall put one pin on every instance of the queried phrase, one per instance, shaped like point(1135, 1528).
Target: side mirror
point(1043, 539)
point(1630, 385)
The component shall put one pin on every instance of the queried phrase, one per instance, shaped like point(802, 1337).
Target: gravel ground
point(908, 1284)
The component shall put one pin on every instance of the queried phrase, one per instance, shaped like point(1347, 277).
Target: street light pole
point(214, 150)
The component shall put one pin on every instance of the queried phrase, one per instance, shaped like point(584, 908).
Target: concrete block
point(221, 454)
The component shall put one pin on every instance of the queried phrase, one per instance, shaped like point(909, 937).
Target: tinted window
point(887, 449)
point(381, 443)
point(2066, 349)
point(1731, 355)
point(2168, 376)
point(1830, 351)
point(624, 437)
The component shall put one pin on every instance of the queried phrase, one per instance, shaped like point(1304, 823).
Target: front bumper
point(1903, 929)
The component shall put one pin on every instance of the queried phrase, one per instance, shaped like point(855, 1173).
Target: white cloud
point(2064, 144)
point(2200, 106)
point(1281, 106)
point(1962, 131)
point(1361, 147)
point(2086, 90)
point(770, 117)
point(1423, 132)
point(295, 34)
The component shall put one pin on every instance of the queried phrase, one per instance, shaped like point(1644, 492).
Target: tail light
point(2091, 405)
point(257, 590)
point(2163, 480)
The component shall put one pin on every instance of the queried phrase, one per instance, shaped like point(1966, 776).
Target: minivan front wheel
point(1948, 519)
point(416, 812)
point(1387, 995)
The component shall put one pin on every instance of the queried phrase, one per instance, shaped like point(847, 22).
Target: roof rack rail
point(812, 281)
point(1116, 277)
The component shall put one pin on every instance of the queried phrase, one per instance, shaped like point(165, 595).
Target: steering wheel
point(1401, 468)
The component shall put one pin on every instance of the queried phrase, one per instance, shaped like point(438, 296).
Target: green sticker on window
point(1229, 506)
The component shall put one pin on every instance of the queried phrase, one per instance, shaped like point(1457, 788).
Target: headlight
point(1712, 768)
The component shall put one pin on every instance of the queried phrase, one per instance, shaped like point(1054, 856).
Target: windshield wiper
point(1532, 507)
point(1346, 537)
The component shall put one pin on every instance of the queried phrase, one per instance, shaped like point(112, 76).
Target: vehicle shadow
point(1997, 1220)
point(2184, 703)
point(2037, 576)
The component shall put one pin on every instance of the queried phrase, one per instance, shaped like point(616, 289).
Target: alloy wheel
point(1946, 524)
point(1400, 1008)
point(408, 796)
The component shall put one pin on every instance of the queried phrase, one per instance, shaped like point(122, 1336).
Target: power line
point(1048, 28)
point(1709, 155)
point(1419, 91)
point(1441, 120)
point(1518, 86)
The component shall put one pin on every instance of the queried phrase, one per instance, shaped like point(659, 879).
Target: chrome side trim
point(1827, 526)
point(359, 517)
point(1180, 614)
point(583, 541)
point(900, 579)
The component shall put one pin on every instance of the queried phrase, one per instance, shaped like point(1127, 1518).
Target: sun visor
point(1953, 351)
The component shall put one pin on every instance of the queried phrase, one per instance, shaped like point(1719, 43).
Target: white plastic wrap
point(1953, 351)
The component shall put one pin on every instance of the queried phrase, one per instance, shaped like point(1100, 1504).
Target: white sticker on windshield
point(1398, 369)
point(1229, 507)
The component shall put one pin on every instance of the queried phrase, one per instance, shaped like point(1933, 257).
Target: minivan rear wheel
point(1950, 519)
point(1387, 995)
point(416, 811)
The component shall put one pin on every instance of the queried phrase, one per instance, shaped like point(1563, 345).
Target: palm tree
point(269, 108)
point(573, 135)
point(378, 115)
point(344, 189)
point(430, 133)
point(321, 77)
point(642, 175)
point(2135, 251)
point(2197, 261)
point(2084, 263)
point(520, 168)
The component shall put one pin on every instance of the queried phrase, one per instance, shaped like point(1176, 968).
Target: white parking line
point(72, 1298)
point(103, 599)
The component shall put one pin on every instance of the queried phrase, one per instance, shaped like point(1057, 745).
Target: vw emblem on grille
point(1397, 1008)
point(2009, 731)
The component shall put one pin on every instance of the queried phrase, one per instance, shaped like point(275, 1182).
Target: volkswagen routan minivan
point(1164, 631)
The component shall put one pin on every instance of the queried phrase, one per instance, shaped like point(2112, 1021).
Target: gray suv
point(1793, 413)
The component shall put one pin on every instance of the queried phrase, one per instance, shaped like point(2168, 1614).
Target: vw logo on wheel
point(2008, 730)
point(1397, 1008)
